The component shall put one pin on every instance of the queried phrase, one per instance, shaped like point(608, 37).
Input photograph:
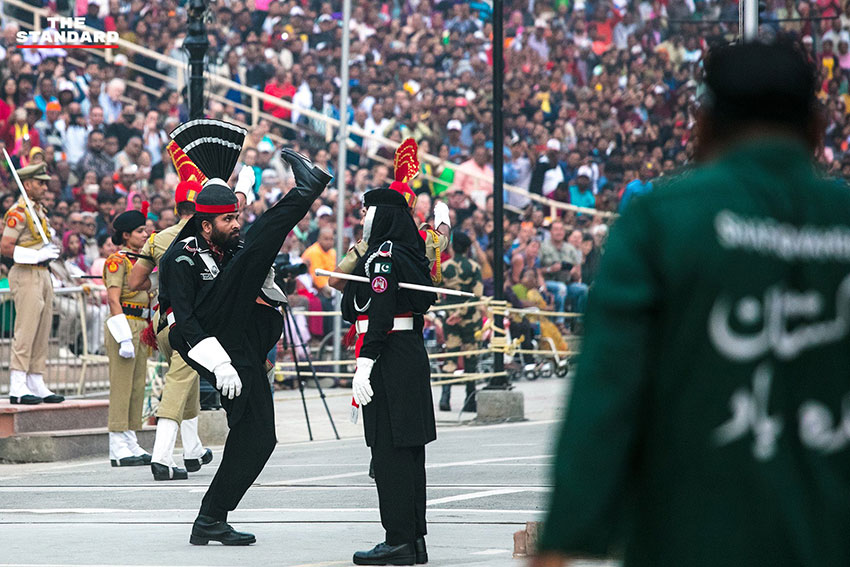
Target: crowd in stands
point(600, 99)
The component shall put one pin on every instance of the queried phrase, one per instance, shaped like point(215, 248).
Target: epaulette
point(386, 249)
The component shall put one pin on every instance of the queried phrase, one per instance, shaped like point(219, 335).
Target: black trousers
point(400, 479)
point(228, 310)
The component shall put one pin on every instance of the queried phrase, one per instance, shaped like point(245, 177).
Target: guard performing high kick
point(210, 283)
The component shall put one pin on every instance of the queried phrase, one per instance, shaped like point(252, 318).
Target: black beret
point(126, 222)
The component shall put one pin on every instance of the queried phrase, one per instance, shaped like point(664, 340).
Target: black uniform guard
point(208, 295)
point(399, 420)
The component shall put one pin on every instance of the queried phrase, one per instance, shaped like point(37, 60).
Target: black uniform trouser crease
point(400, 479)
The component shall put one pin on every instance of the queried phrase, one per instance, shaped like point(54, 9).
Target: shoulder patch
point(386, 249)
point(383, 267)
point(112, 264)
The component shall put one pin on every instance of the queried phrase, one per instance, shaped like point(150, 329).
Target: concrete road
point(313, 505)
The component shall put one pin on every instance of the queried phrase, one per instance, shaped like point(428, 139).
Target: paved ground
point(313, 505)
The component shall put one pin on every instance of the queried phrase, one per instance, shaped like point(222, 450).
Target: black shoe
point(53, 399)
point(383, 554)
point(306, 174)
point(445, 406)
point(194, 465)
point(146, 458)
point(128, 462)
point(421, 551)
point(471, 405)
point(27, 399)
point(206, 529)
point(164, 472)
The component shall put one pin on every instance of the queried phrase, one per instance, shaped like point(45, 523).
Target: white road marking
point(242, 512)
point(491, 552)
point(428, 467)
point(474, 495)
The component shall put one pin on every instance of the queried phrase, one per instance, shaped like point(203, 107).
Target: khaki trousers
point(127, 380)
point(32, 292)
point(181, 396)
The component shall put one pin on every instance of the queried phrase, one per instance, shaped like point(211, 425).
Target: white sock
point(35, 382)
point(18, 384)
point(133, 444)
point(118, 446)
point(192, 446)
point(163, 445)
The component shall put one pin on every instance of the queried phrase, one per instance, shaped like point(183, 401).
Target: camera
point(285, 272)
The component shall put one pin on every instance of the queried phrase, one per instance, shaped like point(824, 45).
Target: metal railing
point(257, 97)
point(76, 357)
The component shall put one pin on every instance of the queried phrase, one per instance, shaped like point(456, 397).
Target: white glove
point(245, 183)
point(126, 349)
point(23, 255)
point(441, 216)
point(360, 386)
point(119, 327)
point(211, 355)
point(227, 380)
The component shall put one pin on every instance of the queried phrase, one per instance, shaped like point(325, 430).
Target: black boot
point(383, 554)
point(26, 399)
point(206, 529)
point(306, 174)
point(421, 551)
point(128, 462)
point(194, 465)
point(164, 472)
point(445, 405)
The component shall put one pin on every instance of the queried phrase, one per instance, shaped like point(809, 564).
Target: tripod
point(290, 332)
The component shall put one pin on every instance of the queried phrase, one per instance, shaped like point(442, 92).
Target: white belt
point(399, 324)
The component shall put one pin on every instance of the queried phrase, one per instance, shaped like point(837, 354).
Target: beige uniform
point(181, 396)
point(126, 375)
point(32, 292)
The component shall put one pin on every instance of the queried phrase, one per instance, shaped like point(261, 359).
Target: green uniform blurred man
point(708, 421)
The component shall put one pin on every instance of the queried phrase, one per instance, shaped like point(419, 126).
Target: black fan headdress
point(213, 145)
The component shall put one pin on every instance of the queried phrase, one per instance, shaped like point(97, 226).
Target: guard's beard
point(224, 240)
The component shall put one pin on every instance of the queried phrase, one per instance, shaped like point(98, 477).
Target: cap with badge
point(37, 171)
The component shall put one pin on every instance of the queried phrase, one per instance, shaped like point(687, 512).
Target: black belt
point(135, 311)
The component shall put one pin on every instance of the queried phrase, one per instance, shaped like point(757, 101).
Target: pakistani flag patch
point(383, 267)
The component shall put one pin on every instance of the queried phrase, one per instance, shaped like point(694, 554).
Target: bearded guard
point(398, 410)
point(210, 282)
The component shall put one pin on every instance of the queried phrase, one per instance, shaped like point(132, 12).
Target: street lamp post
point(197, 45)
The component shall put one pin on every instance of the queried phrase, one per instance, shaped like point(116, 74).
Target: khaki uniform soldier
point(32, 290)
point(127, 355)
point(180, 404)
point(464, 274)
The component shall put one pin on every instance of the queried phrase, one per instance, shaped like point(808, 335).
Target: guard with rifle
point(26, 240)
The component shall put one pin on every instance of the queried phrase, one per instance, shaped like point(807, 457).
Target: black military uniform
point(399, 421)
point(208, 293)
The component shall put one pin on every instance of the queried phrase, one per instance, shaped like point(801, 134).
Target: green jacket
point(709, 422)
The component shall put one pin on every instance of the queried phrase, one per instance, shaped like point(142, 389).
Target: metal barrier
point(76, 357)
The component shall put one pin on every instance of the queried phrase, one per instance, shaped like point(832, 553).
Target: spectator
point(561, 266)
point(547, 174)
point(580, 193)
point(96, 159)
point(640, 186)
point(474, 177)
